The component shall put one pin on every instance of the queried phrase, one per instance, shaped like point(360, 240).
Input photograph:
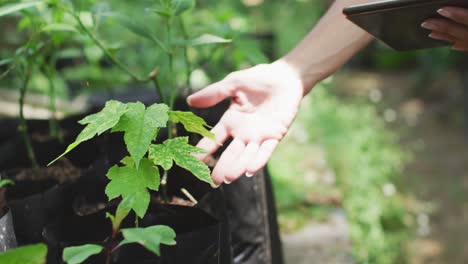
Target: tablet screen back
point(398, 22)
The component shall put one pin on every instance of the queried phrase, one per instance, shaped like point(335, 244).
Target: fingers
point(458, 31)
point(460, 46)
point(212, 94)
point(221, 134)
point(262, 157)
point(453, 30)
point(457, 14)
point(227, 160)
point(442, 36)
point(239, 168)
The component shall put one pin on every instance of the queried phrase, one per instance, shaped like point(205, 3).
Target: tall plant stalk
point(23, 127)
point(53, 123)
point(188, 66)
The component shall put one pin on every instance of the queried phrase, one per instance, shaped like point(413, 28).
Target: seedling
point(139, 173)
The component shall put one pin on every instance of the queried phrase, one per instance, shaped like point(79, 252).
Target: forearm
point(332, 42)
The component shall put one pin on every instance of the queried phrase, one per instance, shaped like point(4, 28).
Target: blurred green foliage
point(368, 163)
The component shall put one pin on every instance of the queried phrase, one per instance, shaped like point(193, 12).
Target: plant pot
point(7, 233)
point(198, 237)
point(33, 204)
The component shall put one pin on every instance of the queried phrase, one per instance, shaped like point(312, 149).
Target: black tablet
point(398, 22)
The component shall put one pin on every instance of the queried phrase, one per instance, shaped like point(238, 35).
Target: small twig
point(54, 126)
point(191, 198)
point(164, 187)
point(106, 51)
point(23, 128)
point(188, 66)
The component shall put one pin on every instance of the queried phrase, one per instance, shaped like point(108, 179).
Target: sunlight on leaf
point(98, 123)
point(140, 125)
point(9, 9)
point(192, 123)
point(151, 237)
point(206, 39)
point(128, 181)
point(178, 150)
point(34, 254)
point(77, 255)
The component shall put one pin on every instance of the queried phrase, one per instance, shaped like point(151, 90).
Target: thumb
point(211, 95)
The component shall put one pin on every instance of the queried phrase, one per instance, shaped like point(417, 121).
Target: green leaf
point(59, 27)
point(129, 181)
point(98, 123)
point(162, 11)
point(140, 30)
point(5, 62)
point(124, 208)
point(6, 182)
point(206, 39)
point(140, 125)
point(151, 237)
point(9, 9)
point(181, 6)
point(178, 150)
point(77, 255)
point(192, 123)
point(34, 254)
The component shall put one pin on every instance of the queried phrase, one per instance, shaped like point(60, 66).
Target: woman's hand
point(454, 29)
point(265, 101)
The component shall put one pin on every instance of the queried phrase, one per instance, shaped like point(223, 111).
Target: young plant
point(138, 173)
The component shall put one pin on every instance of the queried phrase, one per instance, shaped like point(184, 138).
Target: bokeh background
point(375, 168)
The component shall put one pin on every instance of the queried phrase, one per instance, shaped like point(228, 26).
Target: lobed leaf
point(178, 150)
point(140, 125)
point(151, 237)
point(77, 255)
point(192, 123)
point(33, 254)
point(98, 123)
point(129, 181)
point(12, 8)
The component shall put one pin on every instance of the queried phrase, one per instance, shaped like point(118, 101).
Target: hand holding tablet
point(453, 29)
point(414, 24)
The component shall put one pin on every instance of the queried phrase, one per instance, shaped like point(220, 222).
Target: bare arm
point(332, 42)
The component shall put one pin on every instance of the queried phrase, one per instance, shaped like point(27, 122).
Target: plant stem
point(171, 128)
point(53, 123)
point(188, 67)
point(106, 51)
point(164, 187)
point(159, 91)
point(23, 128)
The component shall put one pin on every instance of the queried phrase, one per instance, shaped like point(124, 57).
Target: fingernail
point(249, 175)
point(227, 182)
point(214, 186)
point(444, 12)
point(427, 25)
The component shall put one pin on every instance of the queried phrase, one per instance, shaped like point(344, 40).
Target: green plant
point(138, 174)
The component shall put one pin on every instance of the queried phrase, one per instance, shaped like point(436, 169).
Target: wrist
point(301, 71)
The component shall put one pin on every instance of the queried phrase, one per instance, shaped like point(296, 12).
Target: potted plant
point(173, 46)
